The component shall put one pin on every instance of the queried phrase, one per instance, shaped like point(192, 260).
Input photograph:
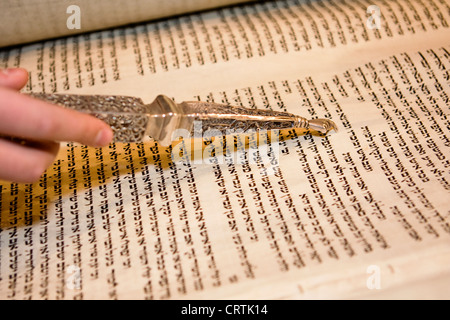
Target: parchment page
point(362, 212)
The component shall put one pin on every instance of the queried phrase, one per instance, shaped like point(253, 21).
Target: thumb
point(13, 78)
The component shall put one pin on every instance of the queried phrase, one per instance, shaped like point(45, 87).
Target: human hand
point(30, 130)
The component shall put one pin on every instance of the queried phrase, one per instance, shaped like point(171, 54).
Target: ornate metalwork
point(131, 119)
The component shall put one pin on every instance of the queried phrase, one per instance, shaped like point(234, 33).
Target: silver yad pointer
point(131, 120)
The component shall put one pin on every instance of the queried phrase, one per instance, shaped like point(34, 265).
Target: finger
point(26, 117)
point(13, 78)
point(25, 162)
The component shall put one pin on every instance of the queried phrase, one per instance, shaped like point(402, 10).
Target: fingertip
point(104, 137)
point(14, 78)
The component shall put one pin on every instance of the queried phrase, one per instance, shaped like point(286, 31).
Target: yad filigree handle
point(125, 115)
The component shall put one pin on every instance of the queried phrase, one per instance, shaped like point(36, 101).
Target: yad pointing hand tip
point(131, 120)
